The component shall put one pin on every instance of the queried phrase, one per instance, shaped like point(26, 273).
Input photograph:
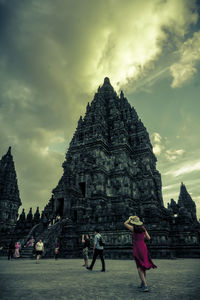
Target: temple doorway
point(60, 207)
point(75, 216)
point(82, 188)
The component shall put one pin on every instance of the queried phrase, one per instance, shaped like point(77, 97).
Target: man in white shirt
point(98, 250)
point(39, 247)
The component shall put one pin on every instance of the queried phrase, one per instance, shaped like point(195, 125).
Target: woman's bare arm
point(128, 226)
point(83, 241)
point(147, 236)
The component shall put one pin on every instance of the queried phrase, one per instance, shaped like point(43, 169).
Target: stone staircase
point(47, 235)
point(27, 252)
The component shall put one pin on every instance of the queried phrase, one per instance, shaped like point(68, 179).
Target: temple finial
point(106, 80)
point(9, 151)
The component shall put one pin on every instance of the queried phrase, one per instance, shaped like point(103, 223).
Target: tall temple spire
point(106, 84)
point(9, 151)
point(110, 155)
point(107, 81)
point(7, 159)
point(112, 120)
point(9, 192)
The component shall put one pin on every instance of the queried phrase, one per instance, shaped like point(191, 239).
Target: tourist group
point(140, 251)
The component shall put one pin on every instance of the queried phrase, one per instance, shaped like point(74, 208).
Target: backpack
point(101, 242)
point(87, 243)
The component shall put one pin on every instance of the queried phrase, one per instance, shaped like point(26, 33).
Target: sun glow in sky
point(55, 54)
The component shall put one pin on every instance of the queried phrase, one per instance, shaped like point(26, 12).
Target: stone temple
point(9, 193)
point(109, 174)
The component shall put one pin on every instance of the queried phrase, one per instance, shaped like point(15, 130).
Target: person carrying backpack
point(98, 251)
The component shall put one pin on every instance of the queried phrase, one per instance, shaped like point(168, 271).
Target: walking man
point(98, 250)
point(11, 249)
point(39, 247)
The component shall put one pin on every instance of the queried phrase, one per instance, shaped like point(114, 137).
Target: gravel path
point(66, 279)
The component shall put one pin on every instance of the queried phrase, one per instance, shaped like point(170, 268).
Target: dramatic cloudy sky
point(55, 54)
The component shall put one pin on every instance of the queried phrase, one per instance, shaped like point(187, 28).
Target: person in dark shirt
point(86, 245)
point(11, 249)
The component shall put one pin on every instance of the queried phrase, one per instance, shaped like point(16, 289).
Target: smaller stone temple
point(9, 193)
point(185, 209)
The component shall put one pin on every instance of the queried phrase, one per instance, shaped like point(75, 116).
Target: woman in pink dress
point(140, 251)
point(17, 247)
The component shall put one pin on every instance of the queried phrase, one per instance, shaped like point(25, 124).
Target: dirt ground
point(66, 279)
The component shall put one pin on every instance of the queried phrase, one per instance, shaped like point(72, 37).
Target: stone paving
point(67, 279)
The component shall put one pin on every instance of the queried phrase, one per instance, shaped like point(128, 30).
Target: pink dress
point(140, 252)
point(17, 247)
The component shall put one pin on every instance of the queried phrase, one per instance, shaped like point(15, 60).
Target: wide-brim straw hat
point(135, 220)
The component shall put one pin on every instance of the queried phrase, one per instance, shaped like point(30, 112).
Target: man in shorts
point(39, 247)
point(86, 245)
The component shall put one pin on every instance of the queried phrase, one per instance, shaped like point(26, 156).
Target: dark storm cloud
point(53, 56)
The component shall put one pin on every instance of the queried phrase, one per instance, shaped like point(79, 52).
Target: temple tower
point(110, 169)
point(9, 192)
point(186, 205)
point(109, 174)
